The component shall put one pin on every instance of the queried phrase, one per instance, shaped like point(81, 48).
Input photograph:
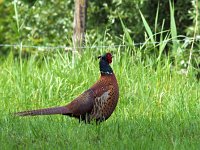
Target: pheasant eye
point(109, 57)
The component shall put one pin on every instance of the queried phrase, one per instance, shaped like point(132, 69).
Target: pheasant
point(97, 103)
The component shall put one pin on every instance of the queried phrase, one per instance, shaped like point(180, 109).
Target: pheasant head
point(104, 63)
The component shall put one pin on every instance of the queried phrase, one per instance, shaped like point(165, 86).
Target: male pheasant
point(97, 103)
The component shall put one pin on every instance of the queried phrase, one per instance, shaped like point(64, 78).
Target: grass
point(157, 109)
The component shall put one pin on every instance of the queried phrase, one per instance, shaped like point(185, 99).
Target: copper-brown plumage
point(97, 103)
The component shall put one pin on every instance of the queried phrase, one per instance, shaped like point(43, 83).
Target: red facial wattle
point(109, 57)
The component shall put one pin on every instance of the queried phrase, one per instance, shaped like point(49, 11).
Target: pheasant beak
point(99, 57)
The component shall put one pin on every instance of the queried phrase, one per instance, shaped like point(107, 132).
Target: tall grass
point(157, 109)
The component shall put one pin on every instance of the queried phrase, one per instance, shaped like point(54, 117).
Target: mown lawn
point(158, 108)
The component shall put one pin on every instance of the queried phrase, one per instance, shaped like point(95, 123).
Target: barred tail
point(46, 111)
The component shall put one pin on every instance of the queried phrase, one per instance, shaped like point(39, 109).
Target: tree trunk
point(79, 24)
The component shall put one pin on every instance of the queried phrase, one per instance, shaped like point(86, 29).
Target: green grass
point(157, 109)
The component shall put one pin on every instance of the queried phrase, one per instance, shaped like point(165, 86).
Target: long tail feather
point(46, 111)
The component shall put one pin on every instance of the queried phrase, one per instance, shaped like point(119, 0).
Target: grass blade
point(148, 29)
point(16, 14)
point(130, 41)
point(173, 28)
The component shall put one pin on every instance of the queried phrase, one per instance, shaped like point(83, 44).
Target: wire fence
point(186, 41)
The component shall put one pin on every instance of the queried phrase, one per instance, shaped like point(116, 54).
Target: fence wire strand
point(186, 40)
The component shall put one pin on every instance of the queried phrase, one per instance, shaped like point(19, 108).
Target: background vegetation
point(159, 78)
point(42, 21)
